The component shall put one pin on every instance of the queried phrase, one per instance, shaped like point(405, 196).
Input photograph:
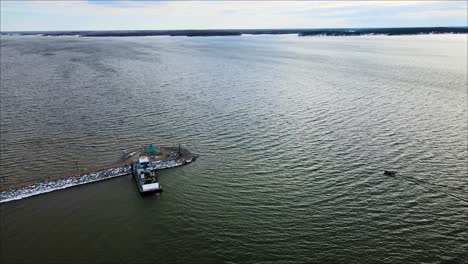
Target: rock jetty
point(162, 158)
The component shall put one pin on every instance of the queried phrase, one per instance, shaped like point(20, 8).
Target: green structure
point(151, 149)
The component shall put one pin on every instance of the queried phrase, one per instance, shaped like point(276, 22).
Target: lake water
point(293, 135)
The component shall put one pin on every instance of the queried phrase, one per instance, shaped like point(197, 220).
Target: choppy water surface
point(293, 135)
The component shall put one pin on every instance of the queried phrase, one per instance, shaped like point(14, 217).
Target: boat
point(145, 175)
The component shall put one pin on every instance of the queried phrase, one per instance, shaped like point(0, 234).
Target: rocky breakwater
point(164, 158)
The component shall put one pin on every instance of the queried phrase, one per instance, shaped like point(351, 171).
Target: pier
point(163, 157)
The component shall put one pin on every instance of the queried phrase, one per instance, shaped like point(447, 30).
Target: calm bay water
point(293, 135)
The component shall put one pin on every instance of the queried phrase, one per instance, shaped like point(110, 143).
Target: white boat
point(145, 175)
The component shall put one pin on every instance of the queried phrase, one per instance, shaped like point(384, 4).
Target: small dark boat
point(389, 173)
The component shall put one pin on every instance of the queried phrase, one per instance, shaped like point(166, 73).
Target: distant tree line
point(238, 32)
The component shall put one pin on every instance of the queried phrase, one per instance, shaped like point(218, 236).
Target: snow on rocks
point(53, 185)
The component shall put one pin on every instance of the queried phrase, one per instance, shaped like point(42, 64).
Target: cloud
point(433, 14)
point(207, 7)
point(106, 15)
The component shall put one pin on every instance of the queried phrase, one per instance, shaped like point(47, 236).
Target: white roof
point(143, 159)
point(151, 187)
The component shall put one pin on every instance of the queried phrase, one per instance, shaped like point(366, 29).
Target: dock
point(163, 157)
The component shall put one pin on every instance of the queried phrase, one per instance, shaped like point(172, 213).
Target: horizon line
point(231, 29)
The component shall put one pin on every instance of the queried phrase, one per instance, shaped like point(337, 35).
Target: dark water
point(293, 136)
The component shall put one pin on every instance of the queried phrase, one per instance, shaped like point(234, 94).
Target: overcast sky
point(128, 15)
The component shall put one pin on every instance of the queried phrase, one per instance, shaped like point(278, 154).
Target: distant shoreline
point(239, 32)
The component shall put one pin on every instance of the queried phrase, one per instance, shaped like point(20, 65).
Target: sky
point(156, 15)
